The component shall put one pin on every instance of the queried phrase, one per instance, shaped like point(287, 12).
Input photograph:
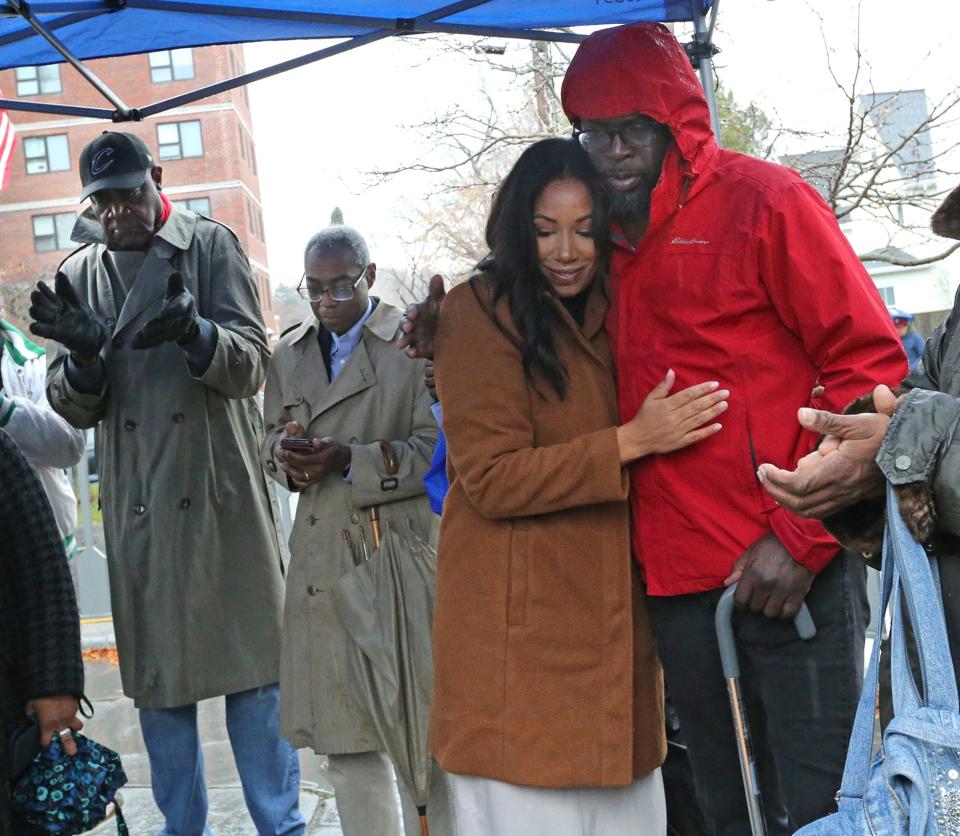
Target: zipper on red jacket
point(684, 188)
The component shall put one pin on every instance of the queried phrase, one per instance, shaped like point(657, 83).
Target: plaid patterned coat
point(39, 624)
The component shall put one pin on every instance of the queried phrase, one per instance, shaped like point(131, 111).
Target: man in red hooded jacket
point(732, 269)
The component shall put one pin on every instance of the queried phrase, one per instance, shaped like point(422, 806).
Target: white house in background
point(894, 226)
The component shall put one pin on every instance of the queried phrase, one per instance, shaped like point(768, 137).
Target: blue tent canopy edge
point(51, 31)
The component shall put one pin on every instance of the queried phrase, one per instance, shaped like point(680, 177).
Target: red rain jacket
point(743, 276)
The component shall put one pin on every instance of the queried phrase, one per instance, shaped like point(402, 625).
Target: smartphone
point(299, 445)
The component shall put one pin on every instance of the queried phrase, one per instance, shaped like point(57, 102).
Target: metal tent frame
point(60, 16)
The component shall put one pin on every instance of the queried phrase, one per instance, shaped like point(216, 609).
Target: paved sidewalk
point(115, 724)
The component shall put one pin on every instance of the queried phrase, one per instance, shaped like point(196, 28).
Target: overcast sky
point(320, 128)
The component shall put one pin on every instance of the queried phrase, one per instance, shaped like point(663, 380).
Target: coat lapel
point(147, 291)
point(356, 376)
point(309, 375)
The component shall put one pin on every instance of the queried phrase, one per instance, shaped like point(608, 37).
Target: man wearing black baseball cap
point(159, 342)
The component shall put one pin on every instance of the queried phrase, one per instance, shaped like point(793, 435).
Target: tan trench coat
point(546, 673)
point(194, 553)
point(379, 394)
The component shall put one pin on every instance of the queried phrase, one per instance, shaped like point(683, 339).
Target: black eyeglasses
point(339, 293)
point(637, 134)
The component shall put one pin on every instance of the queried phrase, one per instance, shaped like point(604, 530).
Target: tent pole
point(21, 8)
point(707, 78)
point(58, 110)
point(293, 63)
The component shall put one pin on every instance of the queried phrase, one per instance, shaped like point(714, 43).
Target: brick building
point(206, 150)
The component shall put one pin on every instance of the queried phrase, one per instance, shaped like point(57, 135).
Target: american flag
point(7, 135)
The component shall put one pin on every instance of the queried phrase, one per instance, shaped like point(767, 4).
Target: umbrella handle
point(424, 825)
point(375, 533)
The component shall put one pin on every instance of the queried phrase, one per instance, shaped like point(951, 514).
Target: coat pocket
point(517, 577)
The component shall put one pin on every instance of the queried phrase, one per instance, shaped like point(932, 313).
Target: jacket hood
point(946, 220)
point(640, 68)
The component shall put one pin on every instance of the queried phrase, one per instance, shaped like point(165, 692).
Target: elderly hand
point(769, 579)
point(328, 456)
point(57, 714)
point(843, 471)
point(63, 316)
point(419, 322)
point(177, 320)
point(430, 381)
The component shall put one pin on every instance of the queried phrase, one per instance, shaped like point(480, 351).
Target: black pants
point(801, 698)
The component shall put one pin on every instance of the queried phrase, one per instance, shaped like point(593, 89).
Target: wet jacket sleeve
point(80, 406)
point(487, 420)
point(44, 437)
point(822, 293)
point(229, 301)
point(371, 482)
point(922, 444)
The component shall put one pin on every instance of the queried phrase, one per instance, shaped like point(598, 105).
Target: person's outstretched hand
point(177, 320)
point(419, 322)
point(61, 315)
point(843, 470)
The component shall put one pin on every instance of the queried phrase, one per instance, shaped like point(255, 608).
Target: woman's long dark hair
point(513, 263)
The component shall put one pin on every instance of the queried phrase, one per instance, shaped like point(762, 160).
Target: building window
point(171, 65)
point(46, 153)
point(52, 232)
point(38, 81)
point(243, 144)
point(200, 205)
point(260, 234)
point(179, 139)
point(251, 224)
point(888, 296)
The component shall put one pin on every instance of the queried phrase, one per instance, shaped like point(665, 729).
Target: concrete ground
point(115, 725)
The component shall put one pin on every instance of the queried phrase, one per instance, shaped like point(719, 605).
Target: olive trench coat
point(379, 394)
point(195, 554)
point(545, 669)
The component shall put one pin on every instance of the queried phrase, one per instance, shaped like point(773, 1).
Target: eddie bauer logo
point(689, 241)
point(102, 161)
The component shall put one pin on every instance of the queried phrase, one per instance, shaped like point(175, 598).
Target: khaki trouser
point(366, 787)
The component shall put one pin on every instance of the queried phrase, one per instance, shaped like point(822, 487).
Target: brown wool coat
point(546, 673)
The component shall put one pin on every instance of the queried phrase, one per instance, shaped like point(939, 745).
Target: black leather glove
point(65, 317)
point(177, 320)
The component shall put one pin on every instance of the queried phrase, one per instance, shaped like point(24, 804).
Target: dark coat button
point(312, 590)
point(111, 321)
point(185, 503)
point(313, 520)
point(354, 518)
point(139, 510)
point(129, 424)
point(178, 417)
point(272, 465)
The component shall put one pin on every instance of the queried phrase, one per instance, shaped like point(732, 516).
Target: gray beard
point(629, 206)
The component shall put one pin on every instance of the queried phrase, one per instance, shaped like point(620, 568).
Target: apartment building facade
point(206, 150)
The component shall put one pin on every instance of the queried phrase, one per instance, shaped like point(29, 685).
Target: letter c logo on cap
point(102, 161)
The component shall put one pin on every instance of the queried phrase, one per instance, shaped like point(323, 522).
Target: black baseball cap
point(114, 161)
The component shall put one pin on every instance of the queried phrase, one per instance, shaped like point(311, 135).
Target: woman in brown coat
point(548, 703)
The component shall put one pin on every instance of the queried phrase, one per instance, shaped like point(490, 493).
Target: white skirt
point(493, 808)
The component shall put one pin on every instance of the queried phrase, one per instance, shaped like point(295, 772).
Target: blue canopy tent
point(51, 31)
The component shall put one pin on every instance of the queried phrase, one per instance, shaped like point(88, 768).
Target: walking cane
point(741, 727)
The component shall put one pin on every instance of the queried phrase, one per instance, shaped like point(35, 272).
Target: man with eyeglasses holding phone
point(348, 426)
point(728, 268)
